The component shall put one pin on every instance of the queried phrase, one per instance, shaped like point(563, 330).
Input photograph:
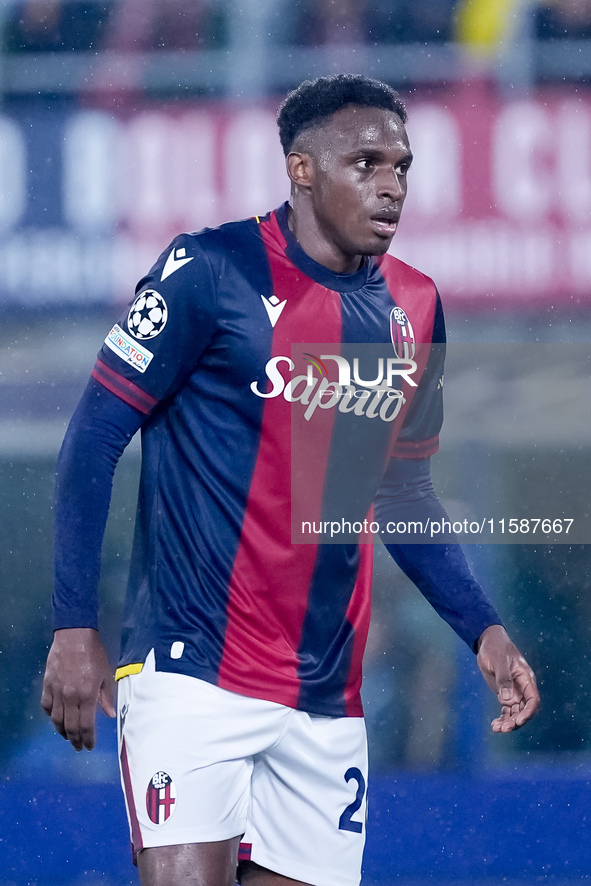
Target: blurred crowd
point(91, 25)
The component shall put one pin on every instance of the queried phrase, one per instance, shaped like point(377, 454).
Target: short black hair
point(315, 100)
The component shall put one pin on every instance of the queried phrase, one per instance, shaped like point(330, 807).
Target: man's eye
point(402, 168)
point(365, 163)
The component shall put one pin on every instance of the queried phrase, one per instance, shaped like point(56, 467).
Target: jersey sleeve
point(419, 435)
point(99, 431)
point(157, 341)
point(440, 571)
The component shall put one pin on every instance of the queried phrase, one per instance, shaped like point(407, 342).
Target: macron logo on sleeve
point(176, 259)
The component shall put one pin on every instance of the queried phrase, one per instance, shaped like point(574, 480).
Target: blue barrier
point(63, 834)
point(442, 826)
point(451, 827)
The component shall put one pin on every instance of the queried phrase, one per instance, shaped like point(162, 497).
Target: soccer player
point(240, 719)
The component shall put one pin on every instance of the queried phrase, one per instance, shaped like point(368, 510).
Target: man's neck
point(304, 227)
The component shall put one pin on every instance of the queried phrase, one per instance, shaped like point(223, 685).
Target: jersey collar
point(317, 272)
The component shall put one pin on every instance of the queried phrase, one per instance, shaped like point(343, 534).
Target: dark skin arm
point(78, 678)
point(509, 676)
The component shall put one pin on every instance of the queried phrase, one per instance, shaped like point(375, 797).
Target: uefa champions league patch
point(160, 798)
point(148, 315)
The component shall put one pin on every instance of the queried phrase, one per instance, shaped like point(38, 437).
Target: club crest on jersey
point(160, 798)
point(403, 337)
point(148, 315)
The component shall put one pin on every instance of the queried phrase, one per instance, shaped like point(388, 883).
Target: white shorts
point(201, 764)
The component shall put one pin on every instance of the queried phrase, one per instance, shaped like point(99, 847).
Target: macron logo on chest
point(273, 307)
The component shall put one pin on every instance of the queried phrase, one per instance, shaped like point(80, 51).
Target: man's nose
point(391, 185)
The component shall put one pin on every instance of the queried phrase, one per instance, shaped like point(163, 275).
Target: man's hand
point(509, 676)
point(78, 677)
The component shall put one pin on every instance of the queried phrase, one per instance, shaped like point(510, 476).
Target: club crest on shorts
point(160, 798)
point(148, 315)
point(403, 337)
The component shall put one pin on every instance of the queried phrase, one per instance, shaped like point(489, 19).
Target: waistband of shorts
point(128, 669)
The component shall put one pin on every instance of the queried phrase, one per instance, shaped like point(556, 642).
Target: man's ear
point(300, 168)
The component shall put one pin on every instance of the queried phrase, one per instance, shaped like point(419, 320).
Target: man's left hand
point(509, 676)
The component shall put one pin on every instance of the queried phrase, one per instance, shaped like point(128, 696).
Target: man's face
point(360, 159)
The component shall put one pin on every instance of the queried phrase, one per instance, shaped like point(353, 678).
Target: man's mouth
point(385, 223)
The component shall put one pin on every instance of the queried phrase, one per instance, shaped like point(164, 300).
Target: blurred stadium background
point(124, 122)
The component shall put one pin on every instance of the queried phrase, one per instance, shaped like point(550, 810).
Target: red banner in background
point(498, 212)
point(499, 205)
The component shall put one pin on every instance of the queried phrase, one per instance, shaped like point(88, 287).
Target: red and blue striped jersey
point(217, 350)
